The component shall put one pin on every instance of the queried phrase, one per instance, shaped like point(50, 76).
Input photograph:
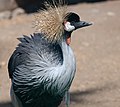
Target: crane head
point(73, 22)
point(54, 21)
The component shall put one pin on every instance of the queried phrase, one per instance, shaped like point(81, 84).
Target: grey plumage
point(43, 65)
point(36, 68)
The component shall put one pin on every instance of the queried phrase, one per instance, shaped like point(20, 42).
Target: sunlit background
point(97, 48)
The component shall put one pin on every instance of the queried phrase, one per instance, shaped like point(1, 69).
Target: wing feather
point(30, 65)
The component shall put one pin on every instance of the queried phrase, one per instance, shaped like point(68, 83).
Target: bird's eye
point(83, 23)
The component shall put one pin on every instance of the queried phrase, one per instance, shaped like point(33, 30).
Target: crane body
point(41, 70)
point(43, 65)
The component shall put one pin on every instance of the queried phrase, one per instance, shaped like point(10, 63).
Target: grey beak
point(81, 24)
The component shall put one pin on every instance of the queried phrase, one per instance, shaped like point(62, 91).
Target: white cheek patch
point(69, 27)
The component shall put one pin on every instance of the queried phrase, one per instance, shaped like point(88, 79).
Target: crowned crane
point(43, 66)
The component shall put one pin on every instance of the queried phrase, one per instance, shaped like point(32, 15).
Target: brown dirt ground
point(97, 50)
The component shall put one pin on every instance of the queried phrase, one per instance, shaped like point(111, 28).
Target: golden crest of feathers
point(49, 21)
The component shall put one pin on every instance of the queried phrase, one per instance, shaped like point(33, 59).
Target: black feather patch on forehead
point(72, 17)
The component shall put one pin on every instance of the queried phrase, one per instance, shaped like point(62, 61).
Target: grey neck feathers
point(67, 69)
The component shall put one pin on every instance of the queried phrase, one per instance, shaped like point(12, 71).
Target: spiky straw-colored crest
point(49, 21)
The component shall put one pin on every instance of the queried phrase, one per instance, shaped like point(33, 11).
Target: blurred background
point(97, 48)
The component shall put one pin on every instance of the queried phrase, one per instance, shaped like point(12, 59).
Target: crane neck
point(66, 50)
point(67, 70)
